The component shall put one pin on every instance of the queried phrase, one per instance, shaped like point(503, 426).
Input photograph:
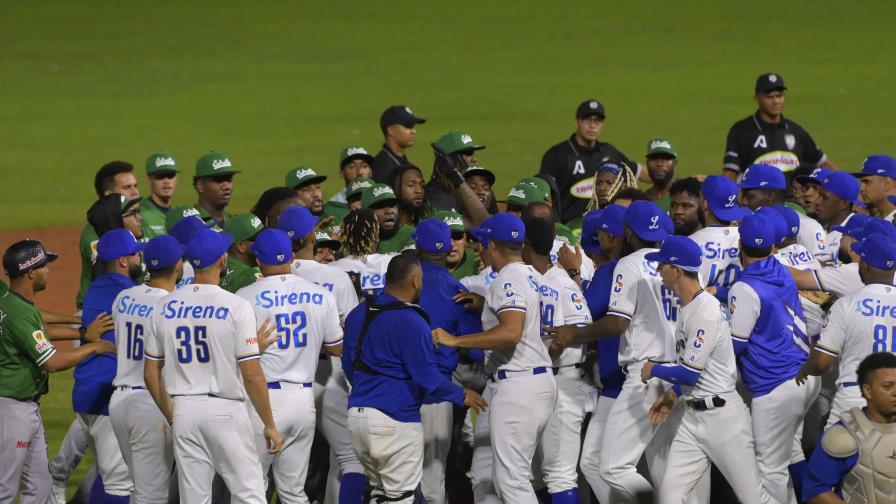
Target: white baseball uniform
point(188, 275)
point(480, 283)
point(813, 236)
point(203, 332)
point(306, 319)
point(371, 270)
point(797, 257)
point(723, 434)
point(638, 295)
point(839, 280)
point(563, 304)
point(721, 255)
point(586, 270)
point(833, 240)
point(143, 434)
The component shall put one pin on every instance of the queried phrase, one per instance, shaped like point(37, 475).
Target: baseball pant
point(294, 415)
point(212, 435)
point(590, 460)
point(519, 410)
point(562, 437)
point(390, 451)
point(777, 421)
point(628, 434)
point(481, 477)
point(437, 420)
point(144, 438)
point(73, 448)
point(331, 401)
point(845, 399)
point(110, 462)
point(23, 450)
point(722, 436)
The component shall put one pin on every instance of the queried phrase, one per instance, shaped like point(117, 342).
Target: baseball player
point(241, 267)
point(213, 181)
point(354, 163)
point(161, 176)
point(878, 185)
point(26, 359)
point(858, 324)
point(306, 182)
point(360, 235)
point(182, 223)
point(769, 335)
point(394, 235)
point(516, 362)
point(208, 338)
point(720, 262)
point(306, 321)
point(143, 434)
point(716, 424)
point(326, 245)
point(838, 196)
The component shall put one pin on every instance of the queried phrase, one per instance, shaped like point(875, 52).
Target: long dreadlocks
point(624, 180)
point(360, 233)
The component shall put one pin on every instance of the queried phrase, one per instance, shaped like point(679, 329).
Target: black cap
point(590, 108)
point(399, 114)
point(24, 256)
point(766, 83)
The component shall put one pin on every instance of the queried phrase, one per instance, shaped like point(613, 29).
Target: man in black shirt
point(766, 137)
point(573, 162)
point(398, 124)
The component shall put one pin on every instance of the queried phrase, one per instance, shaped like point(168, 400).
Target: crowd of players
point(413, 339)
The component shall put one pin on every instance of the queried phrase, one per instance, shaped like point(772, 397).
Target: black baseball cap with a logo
point(590, 108)
point(24, 256)
point(766, 83)
point(399, 114)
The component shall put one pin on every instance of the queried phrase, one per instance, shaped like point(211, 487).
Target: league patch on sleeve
point(41, 343)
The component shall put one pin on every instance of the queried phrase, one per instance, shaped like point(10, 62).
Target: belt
point(276, 385)
point(577, 365)
point(707, 403)
point(849, 384)
point(128, 387)
point(502, 375)
point(323, 356)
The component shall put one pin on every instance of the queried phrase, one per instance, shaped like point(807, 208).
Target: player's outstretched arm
point(509, 331)
point(804, 279)
point(257, 388)
point(60, 361)
point(152, 376)
point(817, 363)
point(58, 318)
point(56, 333)
point(606, 327)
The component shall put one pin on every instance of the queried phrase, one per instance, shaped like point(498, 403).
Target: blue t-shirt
point(94, 375)
point(824, 473)
point(597, 295)
point(398, 348)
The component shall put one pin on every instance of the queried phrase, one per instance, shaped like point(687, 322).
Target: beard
point(661, 181)
point(843, 257)
point(627, 248)
point(417, 213)
point(135, 272)
point(687, 228)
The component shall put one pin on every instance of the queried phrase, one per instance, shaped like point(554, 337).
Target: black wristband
point(82, 331)
point(572, 272)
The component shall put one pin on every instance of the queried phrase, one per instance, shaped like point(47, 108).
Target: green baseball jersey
point(153, 218)
point(24, 348)
point(3, 288)
point(335, 209)
point(208, 218)
point(87, 248)
point(238, 275)
point(664, 203)
point(469, 265)
point(397, 243)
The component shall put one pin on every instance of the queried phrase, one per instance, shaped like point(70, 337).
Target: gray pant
point(73, 448)
point(23, 452)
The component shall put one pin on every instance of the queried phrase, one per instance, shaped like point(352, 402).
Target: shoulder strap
point(372, 311)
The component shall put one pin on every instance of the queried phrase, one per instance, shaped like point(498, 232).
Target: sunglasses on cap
point(163, 175)
point(458, 235)
point(221, 178)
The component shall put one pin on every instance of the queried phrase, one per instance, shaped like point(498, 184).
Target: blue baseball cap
point(433, 235)
point(791, 218)
point(117, 243)
point(844, 186)
point(207, 246)
point(854, 225)
point(878, 226)
point(609, 166)
point(612, 220)
point(763, 176)
point(480, 235)
point(720, 194)
point(679, 251)
point(297, 221)
point(878, 250)
point(774, 220)
point(648, 221)
point(187, 227)
point(878, 164)
point(590, 226)
point(504, 227)
point(816, 177)
point(273, 246)
point(892, 199)
point(755, 232)
point(163, 252)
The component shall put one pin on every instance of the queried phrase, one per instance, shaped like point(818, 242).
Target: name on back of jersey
point(715, 250)
point(870, 307)
point(128, 306)
point(276, 299)
point(175, 309)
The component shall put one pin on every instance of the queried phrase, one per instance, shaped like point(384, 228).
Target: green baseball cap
point(661, 146)
point(243, 227)
point(352, 153)
point(478, 170)
point(377, 193)
point(302, 176)
point(356, 187)
point(177, 213)
point(457, 141)
point(214, 164)
point(454, 220)
point(324, 238)
point(528, 190)
point(795, 207)
point(160, 162)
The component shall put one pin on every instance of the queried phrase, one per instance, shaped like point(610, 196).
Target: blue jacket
point(597, 295)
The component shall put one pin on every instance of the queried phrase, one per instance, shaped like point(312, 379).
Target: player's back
point(132, 313)
point(638, 295)
point(370, 271)
point(331, 278)
point(796, 256)
point(305, 318)
point(204, 332)
point(563, 304)
point(706, 314)
point(813, 236)
point(721, 255)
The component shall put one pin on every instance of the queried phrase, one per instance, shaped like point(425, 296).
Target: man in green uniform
point(354, 163)
point(394, 236)
point(161, 173)
point(26, 358)
point(662, 158)
point(213, 182)
point(241, 267)
point(462, 260)
point(306, 182)
point(326, 245)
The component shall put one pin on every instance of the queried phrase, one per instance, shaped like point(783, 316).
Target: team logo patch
point(164, 161)
point(353, 151)
point(699, 341)
point(379, 191)
point(517, 193)
point(731, 199)
point(577, 301)
point(40, 341)
point(154, 262)
point(508, 289)
point(255, 222)
point(408, 110)
point(305, 172)
point(790, 141)
point(221, 163)
point(619, 284)
point(660, 144)
point(514, 234)
point(773, 78)
point(281, 257)
point(654, 222)
point(592, 105)
point(466, 139)
point(758, 241)
point(440, 245)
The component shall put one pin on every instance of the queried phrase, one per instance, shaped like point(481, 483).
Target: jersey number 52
point(291, 327)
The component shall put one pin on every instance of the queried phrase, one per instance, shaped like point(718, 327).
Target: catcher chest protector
point(873, 479)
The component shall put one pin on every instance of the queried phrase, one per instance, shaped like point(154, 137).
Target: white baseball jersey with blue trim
point(132, 313)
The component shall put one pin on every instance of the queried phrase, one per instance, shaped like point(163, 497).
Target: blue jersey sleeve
point(597, 295)
point(824, 473)
point(351, 332)
point(418, 357)
point(676, 374)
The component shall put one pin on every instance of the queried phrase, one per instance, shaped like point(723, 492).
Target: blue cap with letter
point(187, 227)
point(816, 177)
point(273, 247)
point(432, 235)
point(755, 232)
point(117, 243)
point(612, 220)
point(763, 176)
point(844, 186)
point(297, 221)
point(163, 252)
point(791, 218)
point(878, 250)
point(648, 221)
point(207, 246)
point(878, 164)
point(679, 251)
point(720, 194)
point(590, 225)
point(853, 227)
point(504, 227)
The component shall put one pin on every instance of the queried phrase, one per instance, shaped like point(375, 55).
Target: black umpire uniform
point(386, 159)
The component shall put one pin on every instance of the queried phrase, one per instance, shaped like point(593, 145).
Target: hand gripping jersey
point(132, 313)
point(721, 255)
point(305, 319)
point(331, 278)
point(563, 304)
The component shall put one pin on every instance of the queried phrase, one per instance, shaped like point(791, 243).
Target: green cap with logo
point(528, 190)
point(457, 141)
point(161, 162)
point(454, 220)
point(324, 238)
point(214, 164)
point(356, 187)
point(302, 176)
point(377, 193)
point(243, 227)
point(661, 146)
point(478, 170)
point(352, 153)
point(177, 213)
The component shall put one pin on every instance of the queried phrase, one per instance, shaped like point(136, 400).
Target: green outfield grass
point(282, 85)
